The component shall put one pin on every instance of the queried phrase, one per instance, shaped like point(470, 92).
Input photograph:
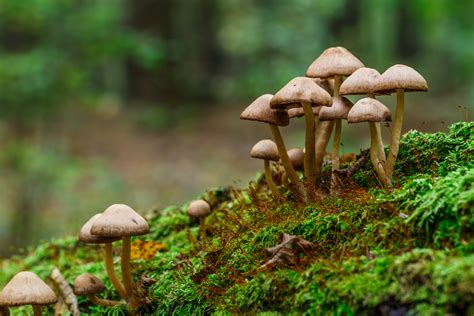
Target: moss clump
point(407, 251)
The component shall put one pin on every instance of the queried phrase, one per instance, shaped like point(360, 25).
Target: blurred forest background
point(138, 102)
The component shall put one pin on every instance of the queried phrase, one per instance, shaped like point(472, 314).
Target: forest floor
point(409, 250)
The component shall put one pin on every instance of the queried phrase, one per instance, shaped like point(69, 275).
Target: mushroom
point(200, 209)
point(26, 288)
point(334, 62)
point(303, 92)
point(90, 285)
point(267, 151)
point(400, 79)
point(86, 237)
point(120, 220)
point(371, 111)
point(338, 111)
point(363, 81)
point(259, 110)
point(297, 158)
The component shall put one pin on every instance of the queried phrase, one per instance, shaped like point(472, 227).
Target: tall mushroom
point(89, 285)
point(334, 62)
point(259, 110)
point(364, 81)
point(400, 79)
point(26, 288)
point(120, 220)
point(85, 236)
point(337, 112)
point(267, 151)
point(303, 92)
point(200, 209)
point(371, 111)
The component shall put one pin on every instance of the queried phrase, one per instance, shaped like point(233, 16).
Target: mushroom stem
point(202, 228)
point(337, 85)
point(284, 178)
point(396, 132)
point(380, 148)
point(310, 146)
point(335, 151)
point(374, 155)
point(109, 267)
point(126, 273)
point(106, 303)
point(37, 310)
point(269, 178)
point(4, 311)
point(285, 159)
point(323, 132)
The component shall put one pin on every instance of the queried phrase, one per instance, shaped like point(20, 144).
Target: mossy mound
point(404, 252)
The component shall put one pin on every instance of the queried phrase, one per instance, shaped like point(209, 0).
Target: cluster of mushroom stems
point(319, 97)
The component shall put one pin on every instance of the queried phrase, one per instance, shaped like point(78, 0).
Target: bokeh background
point(138, 102)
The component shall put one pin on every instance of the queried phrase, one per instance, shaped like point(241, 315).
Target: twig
point(349, 172)
point(65, 292)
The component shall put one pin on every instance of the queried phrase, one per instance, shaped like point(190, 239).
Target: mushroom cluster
point(117, 222)
point(320, 98)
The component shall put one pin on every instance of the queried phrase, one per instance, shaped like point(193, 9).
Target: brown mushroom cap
point(368, 110)
point(334, 61)
point(265, 149)
point(299, 112)
point(259, 110)
point(119, 220)
point(401, 77)
point(87, 283)
point(199, 208)
point(362, 81)
point(296, 156)
point(86, 237)
point(300, 89)
point(339, 109)
point(27, 288)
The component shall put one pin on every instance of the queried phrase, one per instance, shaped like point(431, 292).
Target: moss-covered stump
point(403, 252)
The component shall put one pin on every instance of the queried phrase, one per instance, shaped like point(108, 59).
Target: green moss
point(409, 250)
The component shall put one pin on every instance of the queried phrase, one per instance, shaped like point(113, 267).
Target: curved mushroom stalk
point(102, 302)
point(396, 132)
point(109, 266)
point(310, 145)
point(374, 156)
point(323, 132)
point(380, 148)
point(269, 178)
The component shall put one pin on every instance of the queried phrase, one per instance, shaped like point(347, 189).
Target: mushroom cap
point(300, 89)
point(325, 83)
point(259, 110)
point(296, 156)
point(87, 283)
point(199, 208)
point(362, 81)
point(26, 288)
point(86, 237)
point(334, 61)
point(339, 109)
point(401, 77)
point(368, 110)
point(119, 220)
point(265, 149)
point(299, 112)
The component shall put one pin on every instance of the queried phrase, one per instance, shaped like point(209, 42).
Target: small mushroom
point(400, 79)
point(259, 110)
point(86, 237)
point(364, 81)
point(120, 220)
point(90, 285)
point(267, 150)
point(26, 288)
point(200, 209)
point(303, 92)
point(371, 111)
